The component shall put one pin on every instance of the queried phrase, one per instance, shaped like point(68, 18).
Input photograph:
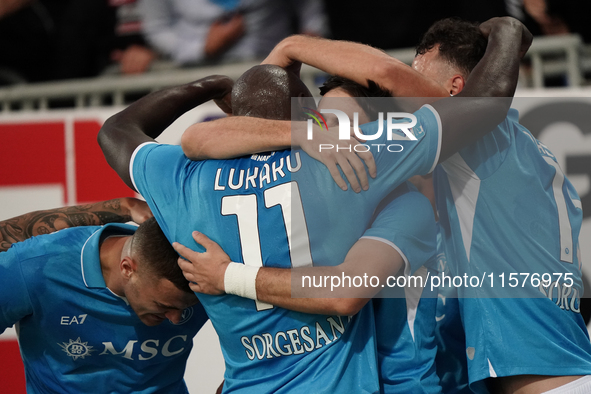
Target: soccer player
point(244, 197)
point(537, 219)
point(119, 210)
point(469, 196)
point(101, 309)
point(402, 237)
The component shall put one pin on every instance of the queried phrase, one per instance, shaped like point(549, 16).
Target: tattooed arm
point(119, 210)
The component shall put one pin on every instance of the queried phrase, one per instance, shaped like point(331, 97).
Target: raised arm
point(147, 118)
point(119, 210)
point(486, 98)
point(356, 62)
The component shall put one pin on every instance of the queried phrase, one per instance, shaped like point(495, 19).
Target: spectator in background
point(560, 17)
point(131, 52)
point(26, 33)
point(202, 31)
point(96, 33)
point(383, 24)
point(401, 23)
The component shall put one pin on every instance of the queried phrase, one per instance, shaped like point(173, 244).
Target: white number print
point(566, 235)
point(287, 196)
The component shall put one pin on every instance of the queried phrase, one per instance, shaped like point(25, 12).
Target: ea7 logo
point(69, 320)
point(404, 122)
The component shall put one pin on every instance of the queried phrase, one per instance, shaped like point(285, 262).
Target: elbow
point(348, 306)
point(384, 71)
point(288, 43)
point(499, 109)
point(192, 149)
point(187, 146)
point(513, 25)
point(505, 87)
point(104, 134)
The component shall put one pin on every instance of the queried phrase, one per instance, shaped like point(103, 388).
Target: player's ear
point(127, 266)
point(457, 84)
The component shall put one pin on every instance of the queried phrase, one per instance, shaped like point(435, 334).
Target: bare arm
point(206, 271)
point(495, 76)
point(119, 210)
point(213, 140)
point(356, 62)
point(235, 136)
point(489, 88)
point(147, 118)
point(367, 257)
point(464, 122)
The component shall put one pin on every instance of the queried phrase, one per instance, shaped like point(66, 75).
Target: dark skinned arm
point(147, 118)
point(489, 89)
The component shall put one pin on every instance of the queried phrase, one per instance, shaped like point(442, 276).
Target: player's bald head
point(265, 91)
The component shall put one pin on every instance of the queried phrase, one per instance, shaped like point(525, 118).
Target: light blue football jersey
point(405, 321)
point(505, 207)
point(450, 361)
point(75, 335)
point(281, 209)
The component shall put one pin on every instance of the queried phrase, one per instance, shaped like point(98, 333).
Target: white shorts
point(579, 386)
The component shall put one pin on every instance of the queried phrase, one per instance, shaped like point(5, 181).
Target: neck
point(110, 255)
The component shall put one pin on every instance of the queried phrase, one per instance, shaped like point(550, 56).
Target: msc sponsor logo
point(133, 350)
point(147, 349)
point(76, 349)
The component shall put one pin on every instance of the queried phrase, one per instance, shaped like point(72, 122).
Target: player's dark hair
point(265, 91)
point(354, 89)
point(460, 42)
point(157, 255)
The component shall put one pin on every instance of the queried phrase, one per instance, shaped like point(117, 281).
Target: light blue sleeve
point(157, 172)
point(407, 224)
point(400, 158)
point(15, 303)
point(486, 155)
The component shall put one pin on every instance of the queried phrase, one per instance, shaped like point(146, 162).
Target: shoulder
point(151, 154)
point(59, 242)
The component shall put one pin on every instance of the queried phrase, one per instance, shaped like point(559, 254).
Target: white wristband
point(240, 280)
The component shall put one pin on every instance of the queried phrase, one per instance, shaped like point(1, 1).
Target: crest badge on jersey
point(418, 131)
point(76, 349)
point(185, 316)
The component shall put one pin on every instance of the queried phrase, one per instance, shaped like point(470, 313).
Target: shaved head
point(265, 91)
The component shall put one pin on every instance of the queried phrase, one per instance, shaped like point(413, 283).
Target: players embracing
point(246, 215)
point(265, 207)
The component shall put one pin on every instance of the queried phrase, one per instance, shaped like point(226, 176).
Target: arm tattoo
point(31, 224)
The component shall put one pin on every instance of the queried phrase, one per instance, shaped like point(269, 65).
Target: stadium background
point(49, 156)
point(51, 159)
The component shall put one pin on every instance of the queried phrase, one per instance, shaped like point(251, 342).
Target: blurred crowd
point(42, 40)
